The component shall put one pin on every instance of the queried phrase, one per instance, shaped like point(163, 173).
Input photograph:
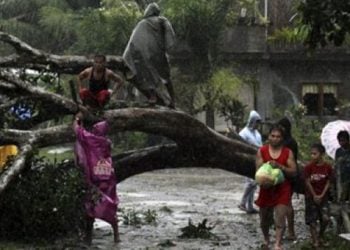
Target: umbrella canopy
point(329, 135)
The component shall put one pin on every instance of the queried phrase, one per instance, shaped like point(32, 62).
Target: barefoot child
point(318, 175)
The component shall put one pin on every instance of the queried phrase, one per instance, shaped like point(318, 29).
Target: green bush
point(44, 203)
point(150, 217)
point(201, 231)
point(137, 218)
point(131, 217)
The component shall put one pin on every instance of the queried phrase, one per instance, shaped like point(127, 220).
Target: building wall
point(282, 70)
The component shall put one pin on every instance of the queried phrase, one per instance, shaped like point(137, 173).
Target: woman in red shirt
point(277, 198)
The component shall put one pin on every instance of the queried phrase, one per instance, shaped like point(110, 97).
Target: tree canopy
point(326, 22)
point(65, 26)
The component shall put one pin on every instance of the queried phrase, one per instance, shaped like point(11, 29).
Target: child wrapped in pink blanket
point(93, 154)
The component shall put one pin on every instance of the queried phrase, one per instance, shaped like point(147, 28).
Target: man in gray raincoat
point(146, 56)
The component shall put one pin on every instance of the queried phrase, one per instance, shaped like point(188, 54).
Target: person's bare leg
point(314, 236)
point(88, 230)
point(265, 224)
point(323, 226)
point(290, 222)
point(280, 221)
point(116, 231)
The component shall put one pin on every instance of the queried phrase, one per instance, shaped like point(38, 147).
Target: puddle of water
point(59, 150)
point(134, 195)
point(227, 195)
point(101, 224)
point(160, 203)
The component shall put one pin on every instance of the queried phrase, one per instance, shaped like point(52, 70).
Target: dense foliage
point(45, 203)
point(200, 24)
point(92, 26)
point(328, 21)
point(305, 131)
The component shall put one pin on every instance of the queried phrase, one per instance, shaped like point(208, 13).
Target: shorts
point(315, 212)
point(97, 99)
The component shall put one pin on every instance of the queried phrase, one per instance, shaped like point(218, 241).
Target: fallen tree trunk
point(171, 156)
point(194, 143)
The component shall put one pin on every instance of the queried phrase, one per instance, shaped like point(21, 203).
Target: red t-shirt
point(280, 194)
point(318, 175)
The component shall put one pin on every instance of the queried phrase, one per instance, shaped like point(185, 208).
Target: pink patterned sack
point(103, 170)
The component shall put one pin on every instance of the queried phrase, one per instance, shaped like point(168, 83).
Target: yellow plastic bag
point(5, 152)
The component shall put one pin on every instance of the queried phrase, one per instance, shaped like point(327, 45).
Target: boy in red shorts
point(98, 77)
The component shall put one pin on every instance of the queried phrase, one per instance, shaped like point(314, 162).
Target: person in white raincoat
point(251, 135)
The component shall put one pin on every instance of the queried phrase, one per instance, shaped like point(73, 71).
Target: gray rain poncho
point(146, 51)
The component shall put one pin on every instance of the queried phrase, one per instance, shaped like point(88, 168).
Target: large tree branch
point(29, 57)
point(39, 92)
point(6, 106)
point(43, 137)
point(171, 156)
point(176, 125)
point(183, 129)
point(17, 165)
point(196, 144)
point(20, 46)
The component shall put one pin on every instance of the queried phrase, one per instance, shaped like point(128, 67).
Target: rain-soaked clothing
point(93, 154)
point(280, 194)
point(248, 133)
point(96, 99)
point(146, 52)
point(253, 137)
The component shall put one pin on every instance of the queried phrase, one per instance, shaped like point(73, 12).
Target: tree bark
point(29, 57)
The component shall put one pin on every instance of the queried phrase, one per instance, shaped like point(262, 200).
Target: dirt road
point(183, 194)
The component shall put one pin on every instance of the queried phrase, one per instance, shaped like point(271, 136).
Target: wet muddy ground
point(177, 195)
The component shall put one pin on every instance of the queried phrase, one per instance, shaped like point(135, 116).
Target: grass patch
point(56, 157)
point(137, 218)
